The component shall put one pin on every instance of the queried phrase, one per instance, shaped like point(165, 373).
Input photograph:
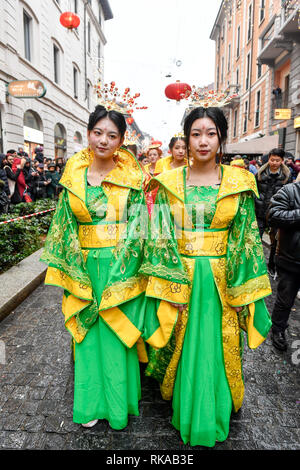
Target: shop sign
point(33, 135)
point(26, 89)
point(283, 114)
point(297, 122)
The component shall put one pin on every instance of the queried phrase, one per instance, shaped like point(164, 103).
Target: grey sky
point(145, 39)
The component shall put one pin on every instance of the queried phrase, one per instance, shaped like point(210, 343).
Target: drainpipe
point(251, 62)
point(84, 42)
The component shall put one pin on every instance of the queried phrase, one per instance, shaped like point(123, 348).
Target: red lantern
point(69, 20)
point(177, 91)
point(130, 120)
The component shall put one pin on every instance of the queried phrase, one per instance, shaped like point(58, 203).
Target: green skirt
point(202, 402)
point(107, 374)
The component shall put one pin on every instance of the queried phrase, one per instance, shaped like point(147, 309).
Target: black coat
point(284, 214)
point(268, 184)
point(3, 175)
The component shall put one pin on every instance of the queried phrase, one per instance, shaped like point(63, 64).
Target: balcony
point(273, 42)
point(233, 89)
point(289, 24)
point(280, 102)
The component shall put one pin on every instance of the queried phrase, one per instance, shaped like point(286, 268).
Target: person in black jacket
point(284, 214)
point(270, 178)
point(41, 183)
point(3, 176)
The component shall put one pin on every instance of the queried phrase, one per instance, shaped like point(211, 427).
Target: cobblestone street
point(37, 391)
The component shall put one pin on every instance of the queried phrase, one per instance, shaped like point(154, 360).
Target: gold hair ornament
point(112, 99)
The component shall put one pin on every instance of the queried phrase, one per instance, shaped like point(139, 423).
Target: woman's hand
point(180, 307)
point(238, 309)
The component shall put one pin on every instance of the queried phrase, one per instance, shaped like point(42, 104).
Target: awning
point(258, 146)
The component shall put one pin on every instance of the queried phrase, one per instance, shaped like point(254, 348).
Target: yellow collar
point(234, 180)
point(127, 172)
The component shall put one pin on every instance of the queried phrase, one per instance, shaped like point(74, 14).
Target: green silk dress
point(220, 251)
point(107, 375)
point(202, 404)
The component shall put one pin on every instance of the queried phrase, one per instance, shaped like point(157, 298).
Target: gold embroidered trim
point(231, 336)
point(167, 290)
point(202, 243)
point(100, 236)
point(250, 291)
point(121, 292)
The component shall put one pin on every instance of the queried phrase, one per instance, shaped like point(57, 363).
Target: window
point(229, 57)
point(60, 140)
point(249, 33)
point(27, 35)
point(222, 70)
point(262, 10)
point(75, 82)
point(237, 77)
point(100, 19)
point(245, 117)
point(89, 37)
point(235, 119)
point(75, 6)
point(88, 95)
point(218, 77)
point(258, 70)
point(248, 71)
point(99, 55)
point(56, 63)
point(257, 111)
point(238, 39)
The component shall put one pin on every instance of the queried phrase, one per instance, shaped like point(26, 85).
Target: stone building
point(35, 46)
point(246, 65)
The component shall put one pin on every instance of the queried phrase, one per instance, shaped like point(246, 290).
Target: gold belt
point(100, 236)
point(202, 243)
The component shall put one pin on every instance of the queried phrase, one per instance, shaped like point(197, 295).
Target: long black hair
point(217, 116)
point(174, 140)
point(100, 112)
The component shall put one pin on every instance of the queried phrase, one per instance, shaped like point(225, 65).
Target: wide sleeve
point(67, 269)
point(162, 263)
point(246, 272)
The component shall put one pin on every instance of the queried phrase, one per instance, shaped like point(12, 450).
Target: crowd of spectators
point(25, 179)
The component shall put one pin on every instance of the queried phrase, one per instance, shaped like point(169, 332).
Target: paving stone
point(36, 395)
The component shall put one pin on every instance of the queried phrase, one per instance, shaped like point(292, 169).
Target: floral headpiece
point(154, 144)
point(207, 99)
point(131, 137)
point(110, 97)
point(179, 135)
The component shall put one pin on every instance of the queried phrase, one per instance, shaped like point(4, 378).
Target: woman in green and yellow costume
point(205, 257)
point(94, 250)
point(153, 154)
point(177, 147)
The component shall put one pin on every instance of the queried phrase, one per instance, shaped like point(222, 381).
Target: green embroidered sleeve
point(128, 254)
point(161, 257)
point(246, 272)
point(62, 248)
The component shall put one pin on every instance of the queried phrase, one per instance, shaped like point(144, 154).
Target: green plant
point(21, 238)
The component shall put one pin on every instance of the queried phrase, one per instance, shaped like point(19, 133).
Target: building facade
point(241, 31)
point(280, 51)
point(35, 46)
